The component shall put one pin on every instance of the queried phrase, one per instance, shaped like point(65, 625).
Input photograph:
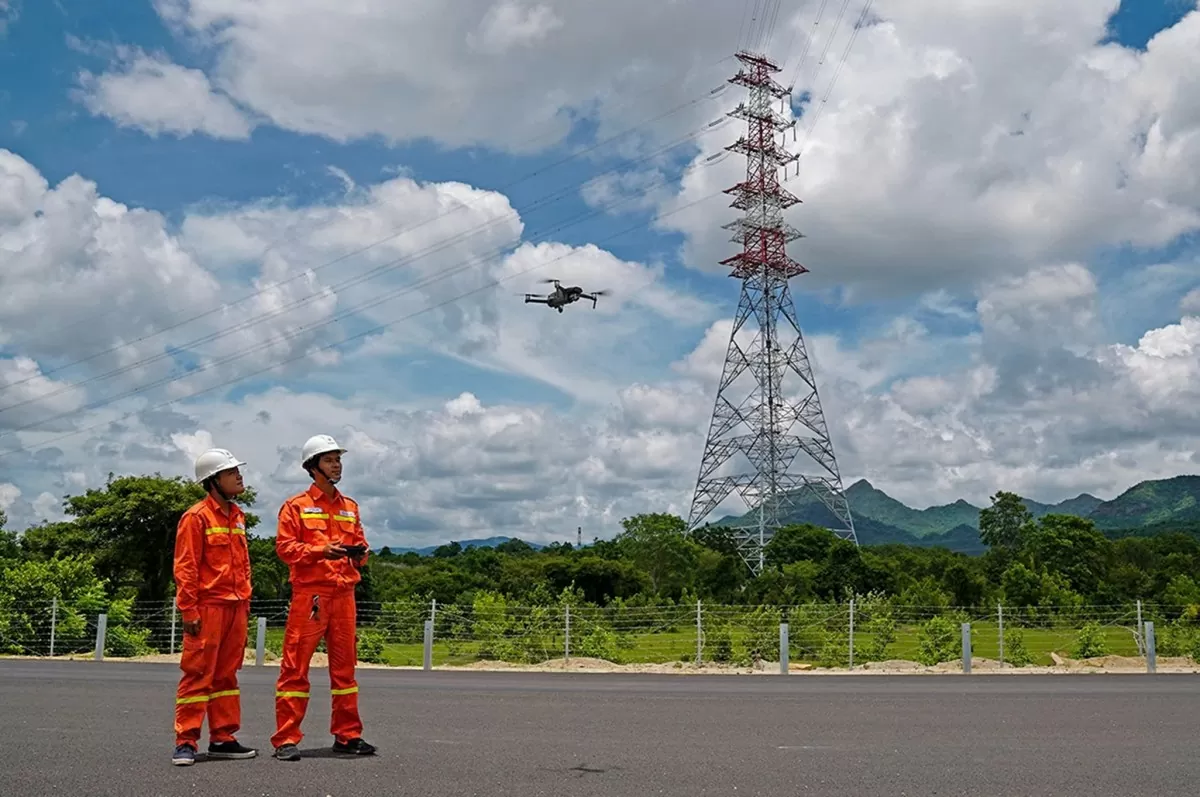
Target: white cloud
point(962, 141)
point(434, 244)
point(159, 97)
point(9, 493)
point(458, 72)
point(1191, 302)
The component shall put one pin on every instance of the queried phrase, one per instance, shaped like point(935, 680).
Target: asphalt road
point(89, 728)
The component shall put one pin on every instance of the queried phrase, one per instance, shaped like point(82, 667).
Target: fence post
point(567, 641)
point(852, 633)
point(1151, 654)
point(260, 645)
point(966, 647)
point(433, 610)
point(429, 644)
point(783, 648)
point(1000, 614)
point(174, 614)
point(1141, 631)
point(101, 633)
point(699, 635)
point(53, 623)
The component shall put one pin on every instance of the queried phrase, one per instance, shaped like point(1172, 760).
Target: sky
point(240, 224)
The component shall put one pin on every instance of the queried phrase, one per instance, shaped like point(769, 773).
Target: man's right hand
point(334, 551)
point(192, 627)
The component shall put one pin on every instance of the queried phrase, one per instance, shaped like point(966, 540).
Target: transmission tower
point(767, 408)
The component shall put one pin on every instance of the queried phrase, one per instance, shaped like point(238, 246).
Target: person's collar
point(316, 493)
point(215, 506)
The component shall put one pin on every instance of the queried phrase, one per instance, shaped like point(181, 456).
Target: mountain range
point(879, 519)
point(1148, 507)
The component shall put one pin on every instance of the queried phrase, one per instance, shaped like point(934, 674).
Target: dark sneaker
point(185, 756)
point(354, 746)
point(230, 750)
point(287, 752)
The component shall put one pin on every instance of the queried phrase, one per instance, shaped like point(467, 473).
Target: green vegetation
point(652, 594)
point(1168, 504)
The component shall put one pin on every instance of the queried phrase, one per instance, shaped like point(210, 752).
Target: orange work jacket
point(212, 558)
point(306, 523)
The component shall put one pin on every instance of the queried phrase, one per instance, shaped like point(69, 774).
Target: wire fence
point(829, 635)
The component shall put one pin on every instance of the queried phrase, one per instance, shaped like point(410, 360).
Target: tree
point(1002, 524)
point(657, 544)
point(1070, 546)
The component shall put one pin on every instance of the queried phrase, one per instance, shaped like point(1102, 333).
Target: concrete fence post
point(53, 623)
point(429, 644)
point(783, 648)
point(260, 643)
point(567, 630)
point(1151, 652)
point(101, 633)
point(851, 633)
point(966, 648)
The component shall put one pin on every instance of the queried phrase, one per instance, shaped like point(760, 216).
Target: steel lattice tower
point(768, 418)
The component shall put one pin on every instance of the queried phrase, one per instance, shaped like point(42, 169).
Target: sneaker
point(354, 746)
point(185, 756)
point(287, 752)
point(230, 749)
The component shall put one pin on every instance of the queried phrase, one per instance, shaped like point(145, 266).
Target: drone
point(560, 296)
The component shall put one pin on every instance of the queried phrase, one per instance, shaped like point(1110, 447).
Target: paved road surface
point(89, 728)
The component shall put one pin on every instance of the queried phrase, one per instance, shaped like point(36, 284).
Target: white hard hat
point(317, 445)
point(215, 460)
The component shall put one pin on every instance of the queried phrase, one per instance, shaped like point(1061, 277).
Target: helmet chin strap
point(319, 468)
point(216, 485)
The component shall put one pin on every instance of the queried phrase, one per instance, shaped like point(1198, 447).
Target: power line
point(375, 272)
point(372, 331)
point(858, 26)
point(711, 94)
point(237, 355)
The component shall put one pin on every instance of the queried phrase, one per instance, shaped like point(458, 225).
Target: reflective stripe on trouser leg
point(225, 703)
point(300, 639)
point(341, 642)
point(198, 661)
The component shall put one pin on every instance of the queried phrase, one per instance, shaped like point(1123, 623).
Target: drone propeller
point(548, 279)
point(601, 293)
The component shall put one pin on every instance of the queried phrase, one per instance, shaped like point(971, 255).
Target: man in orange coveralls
point(321, 539)
point(212, 591)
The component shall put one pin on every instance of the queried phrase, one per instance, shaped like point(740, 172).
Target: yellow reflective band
point(347, 518)
point(226, 693)
point(180, 701)
point(292, 694)
point(349, 691)
point(221, 530)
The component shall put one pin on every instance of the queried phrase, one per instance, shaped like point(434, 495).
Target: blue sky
point(863, 356)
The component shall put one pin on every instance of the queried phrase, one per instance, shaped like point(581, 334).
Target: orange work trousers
point(209, 685)
point(311, 618)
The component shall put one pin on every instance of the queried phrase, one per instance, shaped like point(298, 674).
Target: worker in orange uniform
point(321, 539)
point(212, 591)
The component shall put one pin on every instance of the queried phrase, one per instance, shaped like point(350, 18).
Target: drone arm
point(536, 299)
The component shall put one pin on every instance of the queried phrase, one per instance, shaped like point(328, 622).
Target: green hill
point(880, 519)
point(1151, 503)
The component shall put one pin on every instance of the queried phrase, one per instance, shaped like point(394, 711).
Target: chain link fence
point(860, 634)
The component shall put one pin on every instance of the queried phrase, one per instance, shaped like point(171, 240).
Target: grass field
point(671, 646)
